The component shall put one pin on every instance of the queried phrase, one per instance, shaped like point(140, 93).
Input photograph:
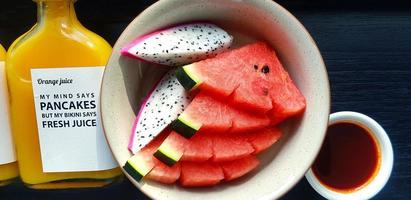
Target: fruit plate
point(127, 81)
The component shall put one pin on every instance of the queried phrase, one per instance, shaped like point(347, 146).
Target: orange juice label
point(68, 119)
point(7, 154)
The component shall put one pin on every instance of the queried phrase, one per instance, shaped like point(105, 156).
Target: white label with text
point(68, 119)
point(7, 154)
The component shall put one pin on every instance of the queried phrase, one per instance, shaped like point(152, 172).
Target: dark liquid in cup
point(348, 158)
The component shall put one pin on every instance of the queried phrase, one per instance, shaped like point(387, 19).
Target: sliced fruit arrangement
point(225, 159)
point(251, 78)
point(234, 154)
point(208, 114)
point(179, 45)
point(210, 119)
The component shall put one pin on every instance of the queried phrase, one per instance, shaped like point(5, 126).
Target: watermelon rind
point(167, 158)
point(188, 78)
point(136, 167)
point(133, 172)
point(168, 153)
point(185, 126)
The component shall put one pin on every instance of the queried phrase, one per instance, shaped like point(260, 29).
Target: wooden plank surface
point(366, 47)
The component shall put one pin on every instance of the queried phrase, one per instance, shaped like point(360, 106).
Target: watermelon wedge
point(250, 78)
point(207, 114)
point(233, 153)
point(139, 165)
point(172, 149)
point(242, 95)
point(163, 173)
point(215, 147)
point(198, 149)
point(238, 168)
point(196, 174)
point(227, 148)
point(263, 139)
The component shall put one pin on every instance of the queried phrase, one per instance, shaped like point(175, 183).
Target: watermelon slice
point(172, 149)
point(262, 140)
point(163, 173)
point(232, 152)
point(139, 165)
point(227, 148)
point(238, 168)
point(198, 149)
point(195, 174)
point(250, 77)
point(207, 114)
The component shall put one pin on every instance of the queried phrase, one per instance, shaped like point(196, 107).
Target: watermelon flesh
point(250, 78)
point(234, 154)
point(207, 114)
point(163, 173)
point(238, 168)
point(263, 139)
point(227, 148)
point(202, 147)
point(196, 174)
point(199, 148)
point(139, 165)
point(172, 149)
point(217, 147)
point(200, 174)
point(242, 95)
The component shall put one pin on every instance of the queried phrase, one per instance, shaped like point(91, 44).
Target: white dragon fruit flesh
point(180, 45)
point(162, 106)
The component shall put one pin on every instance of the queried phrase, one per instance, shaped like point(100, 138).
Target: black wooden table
point(366, 46)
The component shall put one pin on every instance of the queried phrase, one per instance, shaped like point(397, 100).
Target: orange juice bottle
point(54, 73)
point(8, 164)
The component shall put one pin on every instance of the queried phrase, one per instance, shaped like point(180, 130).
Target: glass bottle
point(54, 74)
point(8, 164)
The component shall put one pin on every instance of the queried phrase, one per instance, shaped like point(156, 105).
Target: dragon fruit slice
point(180, 45)
point(162, 106)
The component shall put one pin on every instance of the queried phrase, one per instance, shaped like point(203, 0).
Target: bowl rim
point(290, 184)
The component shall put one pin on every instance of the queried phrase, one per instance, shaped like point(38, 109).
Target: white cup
point(386, 155)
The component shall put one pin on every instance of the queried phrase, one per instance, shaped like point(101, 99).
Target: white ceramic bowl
point(127, 81)
point(384, 171)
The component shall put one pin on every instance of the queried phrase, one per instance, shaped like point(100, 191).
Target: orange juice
point(53, 74)
point(8, 164)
